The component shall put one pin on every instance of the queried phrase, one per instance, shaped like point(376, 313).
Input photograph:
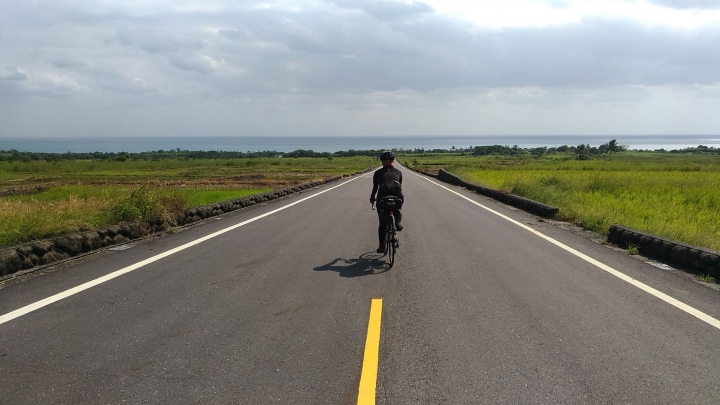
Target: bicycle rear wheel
point(390, 240)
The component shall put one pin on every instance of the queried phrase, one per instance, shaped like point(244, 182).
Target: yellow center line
point(368, 378)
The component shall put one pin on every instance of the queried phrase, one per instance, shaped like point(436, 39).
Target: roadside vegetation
point(675, 194)
point(41, 198)
point(672, 194)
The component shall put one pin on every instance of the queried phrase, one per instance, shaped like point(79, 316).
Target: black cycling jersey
point(387, 181)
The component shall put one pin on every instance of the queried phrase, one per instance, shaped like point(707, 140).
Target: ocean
point(334, 144)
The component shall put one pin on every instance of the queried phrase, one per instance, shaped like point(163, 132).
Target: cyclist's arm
point(376, 184)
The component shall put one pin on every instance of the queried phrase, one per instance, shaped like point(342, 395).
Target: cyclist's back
point(387, 181)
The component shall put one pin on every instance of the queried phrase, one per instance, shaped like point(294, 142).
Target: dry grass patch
point(24, 221)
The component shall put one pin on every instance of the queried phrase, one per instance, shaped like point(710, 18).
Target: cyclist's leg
point(398, 211)
point(381, 226)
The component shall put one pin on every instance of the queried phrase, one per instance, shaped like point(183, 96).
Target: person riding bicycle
point(387, 181)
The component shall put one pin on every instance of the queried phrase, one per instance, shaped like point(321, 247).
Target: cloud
point(557, 3)
point(688, 4)
point(195, 63)
point(119, 82)
point(360, 46)
point(386, 10)
point(65, 62)
point(357, 59)
point(152, 41)
point(11, 73)
point(359, 53)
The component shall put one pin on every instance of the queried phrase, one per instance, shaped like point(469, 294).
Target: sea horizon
point(341, 143)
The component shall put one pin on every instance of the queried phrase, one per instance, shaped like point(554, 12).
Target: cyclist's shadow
point(367, 264)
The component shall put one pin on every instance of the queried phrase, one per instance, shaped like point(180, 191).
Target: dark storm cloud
point(688, 4)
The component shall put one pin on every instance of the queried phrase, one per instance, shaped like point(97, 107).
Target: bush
point(148, 203)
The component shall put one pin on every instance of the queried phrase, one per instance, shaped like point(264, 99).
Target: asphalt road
point(476, 310)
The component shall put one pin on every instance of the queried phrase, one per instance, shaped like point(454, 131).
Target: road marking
point(670, 300)
point(368, 378)
point(57, 297)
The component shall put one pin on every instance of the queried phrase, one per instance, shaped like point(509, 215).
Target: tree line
point(18, 156)
point(581, 152)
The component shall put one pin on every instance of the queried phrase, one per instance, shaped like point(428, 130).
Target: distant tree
point(612, 147)
point(538, 152)
point(491, 150)
point(582, 152)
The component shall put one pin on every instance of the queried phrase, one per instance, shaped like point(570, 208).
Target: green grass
point(632, 249)
point(671, 195)
point(177, 169)
point(197, 197)
point(80, 191)
point(706, 278)
point(87, 194)
point(23, 221)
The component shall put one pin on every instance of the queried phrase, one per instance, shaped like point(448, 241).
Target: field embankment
point(672, 195)
point(42, 199)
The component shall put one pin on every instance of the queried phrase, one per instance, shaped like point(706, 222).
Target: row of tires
point(696, 258)
point(524, 204)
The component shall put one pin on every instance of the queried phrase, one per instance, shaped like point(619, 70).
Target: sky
point(358, 67)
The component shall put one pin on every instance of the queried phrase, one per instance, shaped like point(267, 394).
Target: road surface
point(273, 306)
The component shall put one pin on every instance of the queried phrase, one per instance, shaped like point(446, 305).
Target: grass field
point(174, 169)
point(44, 199)
point(671, 195)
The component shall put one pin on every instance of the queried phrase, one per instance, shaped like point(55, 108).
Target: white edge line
point(670, 300)
point(82, 287)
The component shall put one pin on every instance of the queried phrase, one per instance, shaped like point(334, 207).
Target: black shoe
point(398, 227)
point(381, 249)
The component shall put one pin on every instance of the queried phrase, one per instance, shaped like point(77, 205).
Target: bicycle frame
point(391, 242)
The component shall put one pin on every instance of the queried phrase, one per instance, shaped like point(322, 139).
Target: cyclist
point(387, 181)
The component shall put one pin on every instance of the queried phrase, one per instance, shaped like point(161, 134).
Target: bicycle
point(387, 206)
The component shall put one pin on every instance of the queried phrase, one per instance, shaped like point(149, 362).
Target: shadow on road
point(367, 264)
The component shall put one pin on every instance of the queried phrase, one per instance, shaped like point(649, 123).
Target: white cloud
point(361, 67)
point(197, 63)
point(688, 4)
point(149, 39)
point(539, 13)
point(65, 62)
point(11, 73)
